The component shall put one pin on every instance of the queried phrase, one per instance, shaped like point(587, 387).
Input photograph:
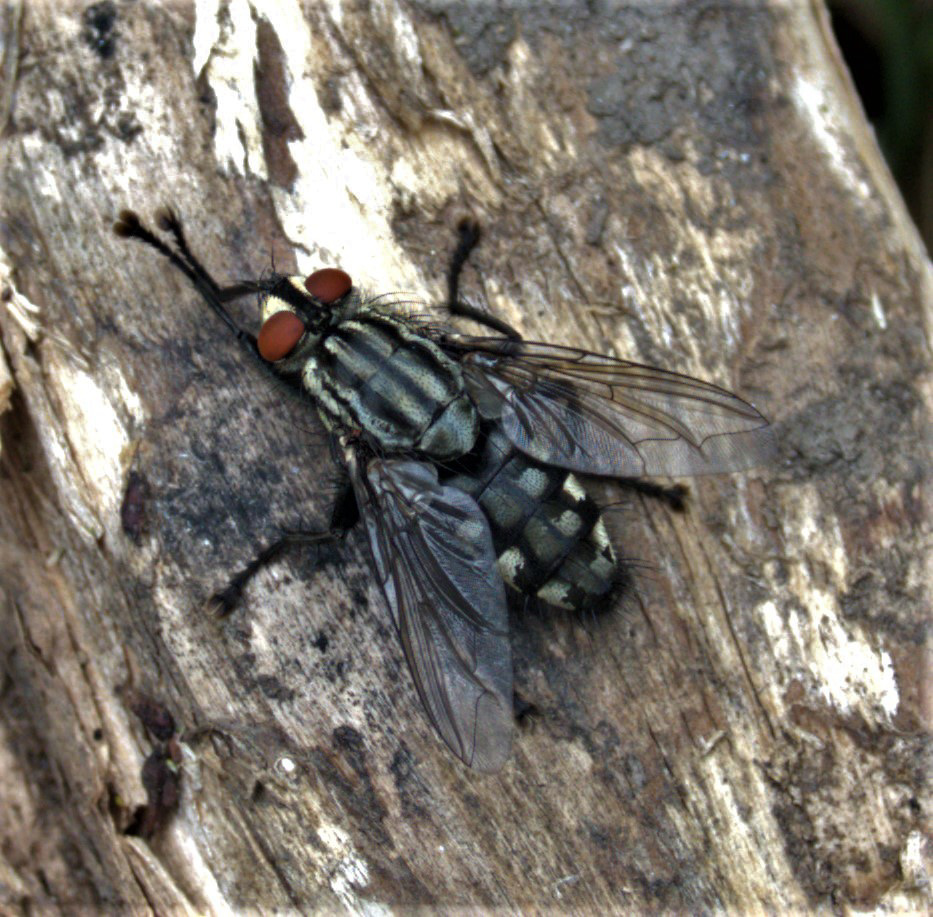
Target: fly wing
point(433, 553)
point(599, 415)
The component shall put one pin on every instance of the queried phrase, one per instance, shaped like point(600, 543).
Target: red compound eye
point(279, 335)
point(328, 285)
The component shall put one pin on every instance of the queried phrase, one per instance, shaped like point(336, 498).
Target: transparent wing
point(433, 553)
point(598, 415)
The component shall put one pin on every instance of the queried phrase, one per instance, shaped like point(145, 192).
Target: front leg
point(130, 226)
point(470, 234)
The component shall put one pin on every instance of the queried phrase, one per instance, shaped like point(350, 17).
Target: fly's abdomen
point(377, 374)
point(546, 529)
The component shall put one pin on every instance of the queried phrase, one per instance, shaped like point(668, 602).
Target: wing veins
point(439, 575)
point(569, 407)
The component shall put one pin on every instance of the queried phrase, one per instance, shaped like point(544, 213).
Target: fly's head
point(296, 310)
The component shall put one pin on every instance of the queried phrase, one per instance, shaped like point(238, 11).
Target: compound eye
point(328, 285)
point(279, 334)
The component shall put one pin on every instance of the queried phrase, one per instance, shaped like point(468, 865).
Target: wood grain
point(691, 186)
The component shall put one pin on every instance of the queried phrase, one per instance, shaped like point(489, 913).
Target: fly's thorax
point(547, 530)
point(382, 375)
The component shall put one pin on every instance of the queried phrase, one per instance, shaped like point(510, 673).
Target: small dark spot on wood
point(161, 778)
point(412, 793)
point(274, 689)
point(133, 508)
point(244, 663)
point(598, 834)
point(152, 714)
point(350, 741)
point(321, 642)
point(99, 28)
point(597, 222)
point(329, 96)
point(128, 128)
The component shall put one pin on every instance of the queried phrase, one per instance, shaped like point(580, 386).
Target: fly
point(462, 453)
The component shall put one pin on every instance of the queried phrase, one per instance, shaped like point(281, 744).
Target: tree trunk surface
point(693, 186)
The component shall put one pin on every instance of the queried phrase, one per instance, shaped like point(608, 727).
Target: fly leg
point(168, 221)
point(524, 711)
point(469, 238)
point(129, 226)
point(675, 497)
point(343, 518)
point(222, 603)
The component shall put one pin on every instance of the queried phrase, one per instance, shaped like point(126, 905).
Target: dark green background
point(888, 45)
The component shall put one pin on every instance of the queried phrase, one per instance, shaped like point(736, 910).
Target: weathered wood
point(694, 186)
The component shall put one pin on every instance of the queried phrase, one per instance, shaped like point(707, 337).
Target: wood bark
point(694, 186)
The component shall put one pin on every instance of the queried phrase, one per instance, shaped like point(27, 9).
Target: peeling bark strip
point(691, 186)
